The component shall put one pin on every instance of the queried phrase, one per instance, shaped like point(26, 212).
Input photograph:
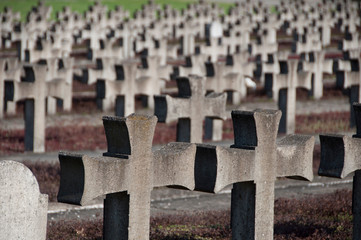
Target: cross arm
point(215, 105)
point(295, 155)
point(234, 165)
point(58, 88)
point(84, 178)
point(339, 155)
point(174, 165)
point(327, 65)
point(169, 109)
point(304, 79)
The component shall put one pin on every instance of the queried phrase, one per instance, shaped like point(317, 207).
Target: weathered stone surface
point(126, 175)
point(252, 165)
point(339, 158)
point(23, 208)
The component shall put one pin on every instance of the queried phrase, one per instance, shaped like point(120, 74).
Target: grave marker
point(23, 208)
point(340, 156)
point(190, 108)
point(126, 174)
point(284, 91)
point(252, 165)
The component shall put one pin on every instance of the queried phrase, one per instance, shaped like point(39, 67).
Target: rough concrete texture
point(339, 158)
point(190, 108)
point(23, 209)
point(252, 165)
point(126, 175)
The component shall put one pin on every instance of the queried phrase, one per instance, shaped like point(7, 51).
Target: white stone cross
point(190, 108)
point(284, 91)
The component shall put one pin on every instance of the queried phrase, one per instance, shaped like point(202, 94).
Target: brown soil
point(323, 217)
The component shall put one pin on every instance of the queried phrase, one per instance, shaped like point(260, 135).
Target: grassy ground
point(24, 6)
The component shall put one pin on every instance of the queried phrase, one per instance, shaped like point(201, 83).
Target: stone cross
point(187, 31)
point(263, 49)
point(284, 91)
point(252, 165)
point(153, 73)
point(190, 108)
point(23, 208)
point(34, 89)
point(194, 65)
point(126, 175)
point(60, 69)
point(340, 156)
point(317, 64)
point(214, 49)
point(222, 77)
point(310, 42)
point(121, 91)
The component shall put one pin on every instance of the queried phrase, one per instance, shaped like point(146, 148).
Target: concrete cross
point(126, 174)
point(214, 49)
point(188, 30)
point(317, 64)
point(310, 42)
point(262, 49)
point(340, 156)
point(34, 89)
point(221, 77)
point(284, 91)
point(252, 165)
point(190, 108)
point(155, 75)
point(194, 65)
point(239, 62)
point(59, 68)
point(121, 91)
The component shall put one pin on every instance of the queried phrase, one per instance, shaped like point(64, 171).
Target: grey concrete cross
point(187, 31)
point(122, 91)
point(317, 64)
point(34, 89)
point(126, 174)
point(284, 91)
point(340, 156)
point(190, 108)
point(252, 165)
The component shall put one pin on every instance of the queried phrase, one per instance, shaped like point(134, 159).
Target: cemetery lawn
point(24, 6)
point(325, 216)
